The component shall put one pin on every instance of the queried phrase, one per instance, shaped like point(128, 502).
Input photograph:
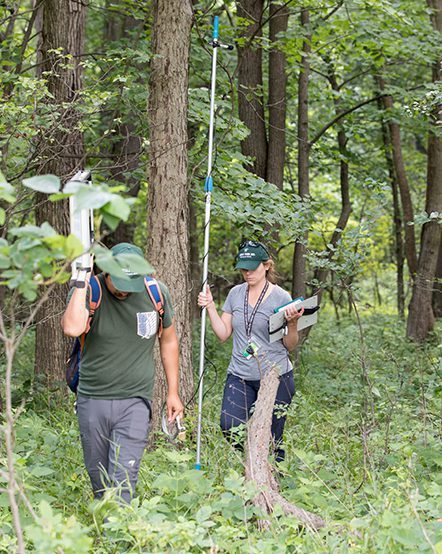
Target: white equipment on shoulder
point(82, 226)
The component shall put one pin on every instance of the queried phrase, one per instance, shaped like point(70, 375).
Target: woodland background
point(327, 148)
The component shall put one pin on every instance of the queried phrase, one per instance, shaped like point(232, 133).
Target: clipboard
point(278, 323)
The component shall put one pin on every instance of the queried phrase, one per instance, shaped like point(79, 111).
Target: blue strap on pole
point(215, 28)
point(208, 185)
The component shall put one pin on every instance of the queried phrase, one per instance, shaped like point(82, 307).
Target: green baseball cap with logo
point(134, 282)
point(250, 255)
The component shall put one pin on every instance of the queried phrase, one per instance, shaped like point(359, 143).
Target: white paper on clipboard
point(277, 320)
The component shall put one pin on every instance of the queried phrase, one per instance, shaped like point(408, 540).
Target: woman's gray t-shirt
point(268, 353)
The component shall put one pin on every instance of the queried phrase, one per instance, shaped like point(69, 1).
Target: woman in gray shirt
point(246, 313)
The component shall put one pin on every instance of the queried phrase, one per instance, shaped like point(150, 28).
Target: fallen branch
point(258, 468)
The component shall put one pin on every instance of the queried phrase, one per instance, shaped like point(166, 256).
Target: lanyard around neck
point(248, 323)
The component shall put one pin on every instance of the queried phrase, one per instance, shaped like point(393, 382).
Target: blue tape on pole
point(198, 466)
point(208, 185)
point(215, 27)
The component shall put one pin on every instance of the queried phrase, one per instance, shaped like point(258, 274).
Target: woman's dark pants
point(239, 398)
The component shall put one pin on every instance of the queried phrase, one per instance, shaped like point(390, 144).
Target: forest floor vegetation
point(363, 444)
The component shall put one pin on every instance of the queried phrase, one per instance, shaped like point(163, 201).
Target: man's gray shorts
point(113, 435)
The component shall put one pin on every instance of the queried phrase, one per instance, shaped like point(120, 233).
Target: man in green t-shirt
point(117, 373)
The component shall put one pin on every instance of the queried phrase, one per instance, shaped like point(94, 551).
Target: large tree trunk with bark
point(60, 148)
point(250, 85)
point(420, 313)
point(168, 209)
point(258, 468)
point(299, 263)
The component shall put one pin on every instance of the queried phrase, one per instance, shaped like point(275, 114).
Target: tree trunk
point(397, 222)
point(299, 264)
point(401, 177)
point(420, 313)
point(437, 290)
point(250, 86)
point(168, 209)
point(279, 16)
point(258, 468)
point(61, 151)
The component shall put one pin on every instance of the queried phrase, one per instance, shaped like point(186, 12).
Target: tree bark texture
point(299, 263)
point(437, 292)
point(60, 149)
point(277, 103)
point(258, 468)
point(420, 313)
point(402, 181)
point(168, 209)
point(250, 86)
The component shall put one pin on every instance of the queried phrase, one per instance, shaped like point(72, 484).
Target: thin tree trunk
point(401, 177)
point(397, 222)
point(250, 86)
point(437, 289)
point(168, 208)
point(420, 313)
point(279, 16)
point(299, 263)
point(62, 153)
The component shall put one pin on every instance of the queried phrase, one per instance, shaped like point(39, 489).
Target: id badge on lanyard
point(252, 348)
point(253, 345)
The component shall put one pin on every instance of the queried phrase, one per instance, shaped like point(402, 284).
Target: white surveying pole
point(208, 186)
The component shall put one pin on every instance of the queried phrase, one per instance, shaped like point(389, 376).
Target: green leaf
point(5, 262)
point(118, 207)
point(41, 471)
point(114, 264)
point(58, 196)
point(73, 247)
point(203, 514)
point(110, 220)
point(43, 183)
point(91, 197)
point(6, 192)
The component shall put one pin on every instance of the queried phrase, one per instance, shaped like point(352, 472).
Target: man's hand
point(174, 407)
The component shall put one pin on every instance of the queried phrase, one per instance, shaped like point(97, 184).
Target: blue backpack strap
point(156, 296)
point(95, 294)
point(73, 363)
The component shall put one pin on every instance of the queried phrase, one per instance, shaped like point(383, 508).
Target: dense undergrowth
point(363, 443)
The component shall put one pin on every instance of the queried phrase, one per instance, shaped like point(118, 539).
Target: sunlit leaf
point(43, 183)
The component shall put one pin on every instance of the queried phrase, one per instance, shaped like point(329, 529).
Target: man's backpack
point(95, 294)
